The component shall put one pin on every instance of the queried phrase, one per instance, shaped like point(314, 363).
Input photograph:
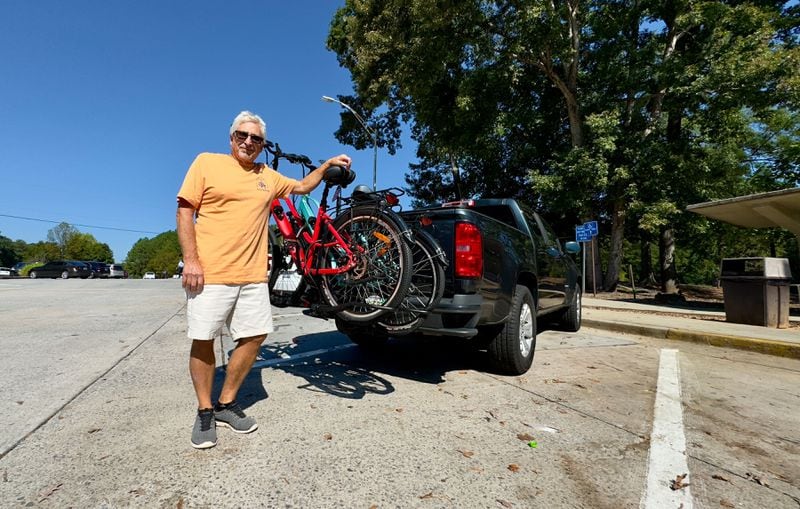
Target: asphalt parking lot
point(100, 407)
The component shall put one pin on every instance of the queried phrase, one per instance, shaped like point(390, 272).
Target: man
point(223, 212)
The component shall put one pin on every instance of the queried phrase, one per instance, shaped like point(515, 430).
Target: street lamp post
point(369, 130)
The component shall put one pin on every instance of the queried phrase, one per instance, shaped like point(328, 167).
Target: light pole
point(369, 130)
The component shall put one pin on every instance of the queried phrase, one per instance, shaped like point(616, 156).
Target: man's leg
point(202, 364)
point(249, 325)
point(242, 359)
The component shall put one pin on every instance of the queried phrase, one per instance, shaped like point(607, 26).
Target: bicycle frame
point(303, 248)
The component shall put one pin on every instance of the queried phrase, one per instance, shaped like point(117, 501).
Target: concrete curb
point(765, 346)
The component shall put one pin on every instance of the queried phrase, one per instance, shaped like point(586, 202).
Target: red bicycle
point(359, 263)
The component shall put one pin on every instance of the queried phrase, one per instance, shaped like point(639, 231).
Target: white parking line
point(287, 358)
point(667, 461)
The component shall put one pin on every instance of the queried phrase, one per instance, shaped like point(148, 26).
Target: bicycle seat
point(363, 194)
point(339, 176)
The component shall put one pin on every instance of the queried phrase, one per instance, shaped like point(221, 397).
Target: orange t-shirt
point(233, 207)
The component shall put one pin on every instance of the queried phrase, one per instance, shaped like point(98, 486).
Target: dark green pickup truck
point(507, 271)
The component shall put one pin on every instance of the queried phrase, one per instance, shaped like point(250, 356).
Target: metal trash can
point(756, 291)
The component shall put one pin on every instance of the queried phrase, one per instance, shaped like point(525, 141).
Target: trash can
point(756, 291)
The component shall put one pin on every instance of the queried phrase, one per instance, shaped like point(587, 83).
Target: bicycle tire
point(424, 292)
point(278, 263)
point(380, 280)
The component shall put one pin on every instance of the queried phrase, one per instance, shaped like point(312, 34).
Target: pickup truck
point(507, 270)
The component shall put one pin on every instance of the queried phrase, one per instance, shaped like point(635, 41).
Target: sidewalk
point(708, 327)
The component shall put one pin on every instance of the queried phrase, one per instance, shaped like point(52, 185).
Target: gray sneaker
point(232, 416)
point(204, 433)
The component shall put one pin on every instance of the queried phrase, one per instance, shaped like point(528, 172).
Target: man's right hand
point(193, 276)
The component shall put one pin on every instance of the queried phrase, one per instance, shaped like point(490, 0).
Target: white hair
point(247, 116)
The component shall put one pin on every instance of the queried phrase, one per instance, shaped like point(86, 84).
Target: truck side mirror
point(572, 247)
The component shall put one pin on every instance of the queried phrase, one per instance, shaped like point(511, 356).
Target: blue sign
point(591, 226)
point(583, 234)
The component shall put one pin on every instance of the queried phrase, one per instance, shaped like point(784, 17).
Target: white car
point(149, 275)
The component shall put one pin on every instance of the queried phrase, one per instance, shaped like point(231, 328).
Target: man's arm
point(192, 270)
point(313, 179)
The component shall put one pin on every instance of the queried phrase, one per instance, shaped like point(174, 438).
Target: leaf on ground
point(532, 444)
point(757, 479)
point(137, 492)
point(720, 478)
point(554, 381)
point(20, 402)
point(580, 386)
point(525, 437)
point(592, 367)
point(726, 503)
point(398, 410)
point(465, 453)
point(504, 503)
point(94, 430)
point(677, 483)
point(373, 506)
point(327, 436)
point(513, 467)
point(491, 412)
point(427, 495)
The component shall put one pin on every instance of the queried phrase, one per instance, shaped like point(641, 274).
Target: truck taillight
point(469, 251)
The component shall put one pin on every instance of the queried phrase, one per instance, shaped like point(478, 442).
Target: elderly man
point(223, 212)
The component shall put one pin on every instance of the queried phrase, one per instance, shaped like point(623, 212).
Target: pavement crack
point(83, 389)
point(745, 478)
point(564, 405)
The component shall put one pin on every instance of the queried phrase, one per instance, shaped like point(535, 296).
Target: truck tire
point(368, 338)
point(571, 319)
point(511, 351)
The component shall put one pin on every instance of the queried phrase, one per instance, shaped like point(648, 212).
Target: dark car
point(99, 269)
point(64, 269)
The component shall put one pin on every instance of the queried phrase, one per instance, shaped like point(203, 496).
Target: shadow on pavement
point(329, 363)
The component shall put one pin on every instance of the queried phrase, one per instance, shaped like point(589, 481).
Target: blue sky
point(104, 105)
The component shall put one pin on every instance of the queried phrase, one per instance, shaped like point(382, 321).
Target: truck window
point(500, 212)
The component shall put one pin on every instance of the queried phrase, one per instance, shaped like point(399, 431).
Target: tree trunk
point(646, 275)
point(667, 259)
point(615, 251)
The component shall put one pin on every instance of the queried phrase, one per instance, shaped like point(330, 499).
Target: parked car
point(64, 269)
point(116, 270)
point(99, 269)
point(20, 265)
point(149, 275)
point(7, 272)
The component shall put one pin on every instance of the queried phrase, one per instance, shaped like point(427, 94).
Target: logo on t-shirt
point(261, 185)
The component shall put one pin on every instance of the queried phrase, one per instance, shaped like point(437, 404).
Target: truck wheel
point(571, 319)
point(368, 338)
point(511, 351)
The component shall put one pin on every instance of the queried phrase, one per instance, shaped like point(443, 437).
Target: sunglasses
point(241, 136)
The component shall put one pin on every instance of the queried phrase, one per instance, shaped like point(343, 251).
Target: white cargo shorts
point(244, 308)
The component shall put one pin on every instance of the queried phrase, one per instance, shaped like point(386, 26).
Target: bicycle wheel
point(424, 292)
point(278, 263)
point(380, 279)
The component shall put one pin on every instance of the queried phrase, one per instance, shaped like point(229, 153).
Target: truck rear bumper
point(455, 316)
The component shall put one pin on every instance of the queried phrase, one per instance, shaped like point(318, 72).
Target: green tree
point(61, 235)
point(83, 246)
point(159, 254)
point(42, 252)
point(622, 111)
point(8, 252)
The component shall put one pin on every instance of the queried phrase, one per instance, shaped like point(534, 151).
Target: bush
point(26, 269)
